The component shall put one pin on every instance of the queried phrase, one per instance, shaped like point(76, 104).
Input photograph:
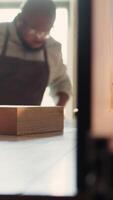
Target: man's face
point(35, 30)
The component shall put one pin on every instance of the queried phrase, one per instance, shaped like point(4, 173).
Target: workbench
point(30, 165)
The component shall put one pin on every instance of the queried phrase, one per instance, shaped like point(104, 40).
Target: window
point(7, 15)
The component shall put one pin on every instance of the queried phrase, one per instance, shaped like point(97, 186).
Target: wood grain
point(23, 120)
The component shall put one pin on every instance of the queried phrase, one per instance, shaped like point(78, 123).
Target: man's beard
point(30, 48)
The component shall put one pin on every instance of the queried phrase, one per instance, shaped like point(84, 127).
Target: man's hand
point(63, 98)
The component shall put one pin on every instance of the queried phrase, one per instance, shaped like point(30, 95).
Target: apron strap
point(45, 54)
point(5, 42)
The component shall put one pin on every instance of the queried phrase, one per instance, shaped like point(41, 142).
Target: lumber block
point(25, 120)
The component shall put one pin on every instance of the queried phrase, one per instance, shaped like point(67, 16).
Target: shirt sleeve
point(60, 81)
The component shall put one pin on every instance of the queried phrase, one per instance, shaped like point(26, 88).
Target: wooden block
point(23, 120)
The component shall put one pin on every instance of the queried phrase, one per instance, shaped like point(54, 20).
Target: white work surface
point(39, 166)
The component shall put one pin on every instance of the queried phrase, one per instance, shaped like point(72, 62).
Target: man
point(31, 60)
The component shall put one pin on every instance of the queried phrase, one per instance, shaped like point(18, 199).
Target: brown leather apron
point(22, 82)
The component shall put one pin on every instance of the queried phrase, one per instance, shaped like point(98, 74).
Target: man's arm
point(60, 84)
point(62, 98)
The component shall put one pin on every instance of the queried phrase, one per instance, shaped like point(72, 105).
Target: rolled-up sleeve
point(59, 79)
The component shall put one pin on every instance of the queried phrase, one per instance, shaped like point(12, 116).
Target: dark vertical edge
point(83, 87)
